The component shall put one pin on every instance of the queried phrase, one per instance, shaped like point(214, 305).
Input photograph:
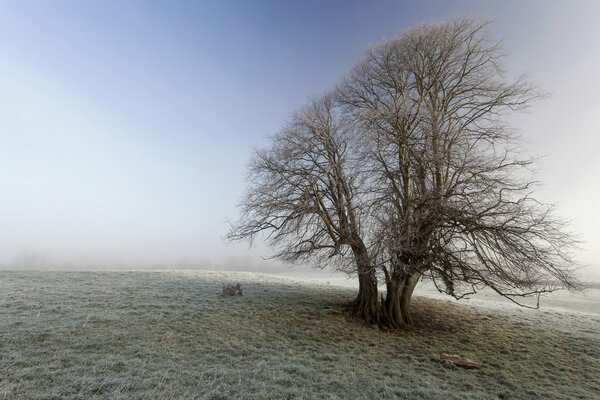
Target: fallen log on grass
point(459, 361)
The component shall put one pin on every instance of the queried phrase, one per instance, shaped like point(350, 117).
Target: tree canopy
point(408, 169)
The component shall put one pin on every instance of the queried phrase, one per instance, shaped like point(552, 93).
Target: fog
point(124, 145)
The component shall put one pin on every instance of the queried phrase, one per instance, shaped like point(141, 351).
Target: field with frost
point(169, 335)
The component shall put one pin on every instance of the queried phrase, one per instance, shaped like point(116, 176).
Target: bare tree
point(409, 169)
point(304, 196)
point(450, 194)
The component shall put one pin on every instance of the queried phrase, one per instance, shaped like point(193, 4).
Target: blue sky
point(125, 127)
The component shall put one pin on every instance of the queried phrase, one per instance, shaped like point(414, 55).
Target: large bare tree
point(410, 170)
point(450, 194)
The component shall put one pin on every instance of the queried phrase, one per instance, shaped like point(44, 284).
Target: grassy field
point(169, 335)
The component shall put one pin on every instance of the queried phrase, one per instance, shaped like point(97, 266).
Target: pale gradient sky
point(125, 127)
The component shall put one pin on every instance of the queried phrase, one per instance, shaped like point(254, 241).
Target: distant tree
point(411, 169)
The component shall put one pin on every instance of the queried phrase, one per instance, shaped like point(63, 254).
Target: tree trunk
point(366, 304)
point(396, 308)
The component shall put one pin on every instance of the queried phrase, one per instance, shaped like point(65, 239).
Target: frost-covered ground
point(169, 335)
point(587, 301)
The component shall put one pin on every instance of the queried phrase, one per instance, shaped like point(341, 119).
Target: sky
point(126, 127)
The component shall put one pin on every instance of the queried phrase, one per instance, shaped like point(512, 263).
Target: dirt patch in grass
point(169, 335)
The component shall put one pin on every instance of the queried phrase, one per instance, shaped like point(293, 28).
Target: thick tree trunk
point(366, 305)
point(396, 307)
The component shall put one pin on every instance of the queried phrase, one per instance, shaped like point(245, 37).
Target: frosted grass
point(169, 335)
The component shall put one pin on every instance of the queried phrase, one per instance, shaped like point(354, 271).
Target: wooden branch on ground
point(459, 361)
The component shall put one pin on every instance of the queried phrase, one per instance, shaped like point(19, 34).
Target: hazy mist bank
point(34, 260)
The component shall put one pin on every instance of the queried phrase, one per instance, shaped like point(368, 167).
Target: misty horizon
point(124, 145)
